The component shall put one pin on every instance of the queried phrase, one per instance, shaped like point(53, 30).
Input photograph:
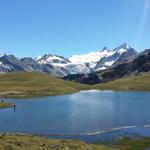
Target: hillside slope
point(36, 84)
point(32, 84)
point(136, 83)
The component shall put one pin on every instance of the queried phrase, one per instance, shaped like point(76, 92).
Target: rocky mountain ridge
point(139, 64)
point(61, 66)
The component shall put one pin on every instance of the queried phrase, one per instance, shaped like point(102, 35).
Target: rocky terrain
point(137, 65)
point(61, 66)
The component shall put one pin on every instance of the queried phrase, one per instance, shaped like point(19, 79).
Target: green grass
point(127, 143)
point(6, 105)
point(136, 83)
point(38, 84)
point(29, 142)
point(35, 84)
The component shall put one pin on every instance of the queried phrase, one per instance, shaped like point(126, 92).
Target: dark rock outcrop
point(138, 65)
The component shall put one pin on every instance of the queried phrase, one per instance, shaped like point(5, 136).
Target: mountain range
point(136, 65)
point(77, 64)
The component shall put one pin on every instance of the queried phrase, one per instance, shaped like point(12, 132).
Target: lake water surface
point(87, 113)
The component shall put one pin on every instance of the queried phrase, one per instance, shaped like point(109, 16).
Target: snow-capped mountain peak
point(2, 54)
point(86, 63)
point(125, 46)
point(62, 66)
point(91, 57)
point(105, 49)
point(122, 48)
point(51, 58)
point(38, 58)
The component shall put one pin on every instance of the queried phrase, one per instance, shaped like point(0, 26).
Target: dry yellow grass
point(6, 105)
point(28, 142)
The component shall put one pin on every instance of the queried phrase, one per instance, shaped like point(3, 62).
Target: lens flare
point(143, 19)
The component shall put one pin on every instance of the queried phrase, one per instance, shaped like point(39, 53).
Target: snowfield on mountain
point(61, 66)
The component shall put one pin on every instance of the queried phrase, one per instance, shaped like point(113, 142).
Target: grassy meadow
point(25, 84)
point(133, 83)
point(32, 84)
point(31, 142)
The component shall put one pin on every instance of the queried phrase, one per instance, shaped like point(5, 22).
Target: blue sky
point(66, 27)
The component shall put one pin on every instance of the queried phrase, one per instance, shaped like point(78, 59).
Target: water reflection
point(82, 112)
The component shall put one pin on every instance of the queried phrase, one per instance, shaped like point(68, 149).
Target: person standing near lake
point(14, 107)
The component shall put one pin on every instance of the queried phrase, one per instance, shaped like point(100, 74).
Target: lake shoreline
point(15, 94)
point(103, 102)
point(10, 94)
point(29, 85)
point(6, 105)
point(24, 141)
